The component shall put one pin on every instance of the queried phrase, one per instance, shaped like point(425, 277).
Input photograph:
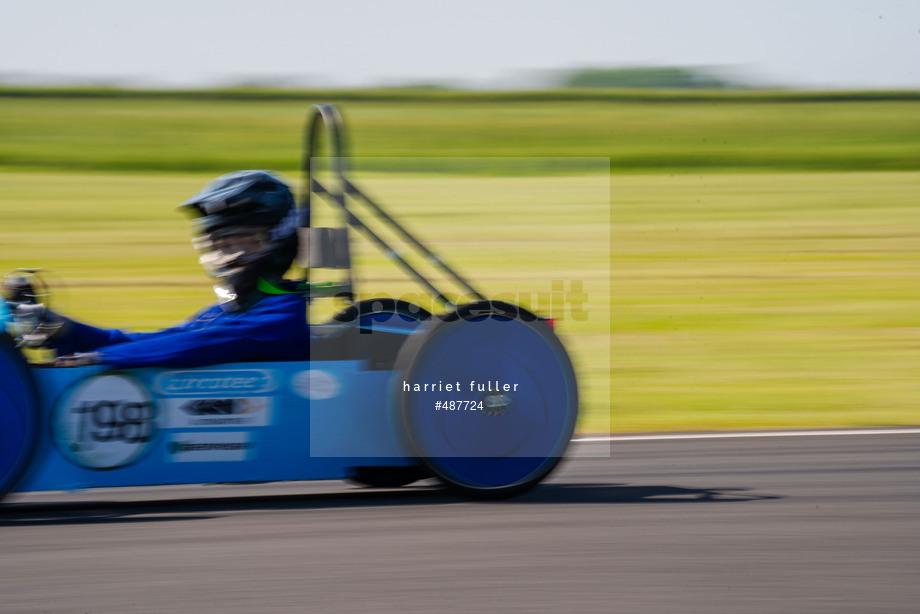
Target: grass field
point(169, 135)
point(755, 279)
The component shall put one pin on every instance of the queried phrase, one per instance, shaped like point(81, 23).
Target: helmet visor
point(226, 251)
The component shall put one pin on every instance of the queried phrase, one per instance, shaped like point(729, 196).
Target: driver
point(246, 232)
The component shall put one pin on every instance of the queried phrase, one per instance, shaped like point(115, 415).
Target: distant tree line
point(645, 78)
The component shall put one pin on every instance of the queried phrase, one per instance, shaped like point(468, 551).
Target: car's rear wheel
point(510, 394)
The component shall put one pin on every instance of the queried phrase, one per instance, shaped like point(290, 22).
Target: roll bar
point(326, 120)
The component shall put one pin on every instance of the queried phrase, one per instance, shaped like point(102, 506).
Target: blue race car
point(481, 396)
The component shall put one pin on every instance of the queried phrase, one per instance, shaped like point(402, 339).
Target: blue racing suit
point(274, 329)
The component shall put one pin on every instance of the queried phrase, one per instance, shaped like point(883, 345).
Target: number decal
point(105, 422)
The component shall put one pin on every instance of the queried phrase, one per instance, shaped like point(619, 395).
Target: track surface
point(772, 525)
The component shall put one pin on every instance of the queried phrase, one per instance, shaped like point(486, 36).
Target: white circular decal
point(104, 422)
point(316, 385)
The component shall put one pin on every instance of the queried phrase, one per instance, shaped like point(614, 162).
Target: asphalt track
point(740, 525)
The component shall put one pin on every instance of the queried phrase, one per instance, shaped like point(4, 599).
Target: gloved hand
point(27, 319)
point(35, 325)
point(18, 287)
point(78, 360)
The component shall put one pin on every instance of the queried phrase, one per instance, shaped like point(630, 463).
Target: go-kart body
point(482, 396)
point(227, 423)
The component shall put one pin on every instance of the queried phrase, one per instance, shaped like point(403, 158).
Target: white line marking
point(745, 434)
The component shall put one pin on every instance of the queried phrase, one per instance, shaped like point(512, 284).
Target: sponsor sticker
point(225, 382)
point(209, 447)
point(104, 422)
point(208, 412)
point(315, 384)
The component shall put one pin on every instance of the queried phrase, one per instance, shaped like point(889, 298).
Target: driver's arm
point(76, 337)
point(275, 328)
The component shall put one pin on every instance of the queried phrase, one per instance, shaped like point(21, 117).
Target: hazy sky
point(807, 43)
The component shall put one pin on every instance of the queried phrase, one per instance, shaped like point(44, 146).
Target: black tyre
point(376, 310)
point(387, 477)
point(516, 407)
point(19, 415)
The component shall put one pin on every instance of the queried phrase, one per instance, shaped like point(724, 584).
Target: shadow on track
point(210, 507)
point(87, 516)
point(619, 493)
point(207, 507)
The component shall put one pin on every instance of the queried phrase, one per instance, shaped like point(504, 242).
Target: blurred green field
point(711, 134)
point(766, 300)
point(750, 277)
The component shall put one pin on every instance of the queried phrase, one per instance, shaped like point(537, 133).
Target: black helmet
point(245, 228)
